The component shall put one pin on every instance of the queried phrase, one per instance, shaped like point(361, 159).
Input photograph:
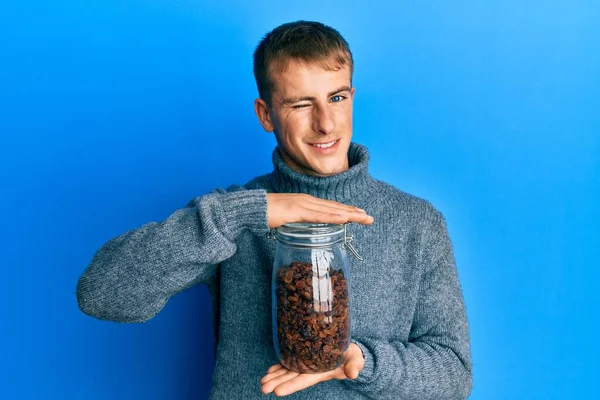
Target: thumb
point(352, 368)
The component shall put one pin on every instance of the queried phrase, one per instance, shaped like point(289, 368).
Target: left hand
point(285, 382)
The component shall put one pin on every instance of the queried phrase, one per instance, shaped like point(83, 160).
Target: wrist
point(354, 342)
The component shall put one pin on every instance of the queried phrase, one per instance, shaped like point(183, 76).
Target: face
point(311, 116)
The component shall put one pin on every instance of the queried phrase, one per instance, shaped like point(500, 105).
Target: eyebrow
point(291, 100)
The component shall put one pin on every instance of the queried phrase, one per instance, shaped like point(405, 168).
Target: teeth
point(326, 145)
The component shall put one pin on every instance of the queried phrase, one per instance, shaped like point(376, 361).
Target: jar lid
point(309, 230)
point(308, 234)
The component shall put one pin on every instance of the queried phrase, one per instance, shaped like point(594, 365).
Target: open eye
point(337, 98)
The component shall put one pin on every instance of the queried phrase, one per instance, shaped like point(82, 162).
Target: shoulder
point(396, 199)
point(397, 207)
point(259, 183)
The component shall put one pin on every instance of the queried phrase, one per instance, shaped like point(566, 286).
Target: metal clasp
point(347, 244)
point(347, 241)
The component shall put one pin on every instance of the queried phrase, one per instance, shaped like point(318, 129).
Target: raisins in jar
point(312, 319)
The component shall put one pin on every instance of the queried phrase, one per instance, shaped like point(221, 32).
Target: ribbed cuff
point(245, 209)
point(366, 374)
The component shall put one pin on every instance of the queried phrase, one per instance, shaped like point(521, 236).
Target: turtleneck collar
point(350, 186)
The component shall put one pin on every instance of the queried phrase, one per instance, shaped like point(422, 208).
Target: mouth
point(325, 148)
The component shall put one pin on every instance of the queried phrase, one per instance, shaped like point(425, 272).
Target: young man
point(410, 337)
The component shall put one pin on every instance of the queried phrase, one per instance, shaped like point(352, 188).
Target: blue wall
point(115, 113)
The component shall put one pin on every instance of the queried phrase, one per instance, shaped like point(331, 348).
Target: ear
point(352, 92)
point(262, 112)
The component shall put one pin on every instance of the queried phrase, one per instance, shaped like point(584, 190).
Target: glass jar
point(311, 296)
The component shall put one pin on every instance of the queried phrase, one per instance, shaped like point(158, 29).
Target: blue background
point(115, 113)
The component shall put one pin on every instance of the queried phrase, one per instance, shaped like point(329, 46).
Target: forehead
point(306, 78)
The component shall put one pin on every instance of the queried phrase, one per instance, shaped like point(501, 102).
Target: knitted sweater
point(407, 312)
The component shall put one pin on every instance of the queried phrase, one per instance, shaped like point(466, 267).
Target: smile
point(324, 145)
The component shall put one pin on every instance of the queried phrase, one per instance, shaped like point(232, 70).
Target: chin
point(327, 171)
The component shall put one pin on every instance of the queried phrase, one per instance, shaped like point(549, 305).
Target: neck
point(349, 186)
point(294, 166)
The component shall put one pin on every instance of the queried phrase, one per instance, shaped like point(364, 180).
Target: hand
point(283, 208)
point(285, 382)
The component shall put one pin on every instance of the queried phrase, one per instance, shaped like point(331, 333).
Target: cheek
point(343, 115)
point(296, 125)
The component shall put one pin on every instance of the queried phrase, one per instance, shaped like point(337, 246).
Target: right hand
point(283, 208)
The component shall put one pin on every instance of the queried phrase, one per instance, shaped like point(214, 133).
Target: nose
point(323, 121)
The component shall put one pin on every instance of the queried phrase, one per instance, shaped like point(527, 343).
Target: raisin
point(312, 333)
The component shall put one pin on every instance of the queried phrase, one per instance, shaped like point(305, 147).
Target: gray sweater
point(407, 310)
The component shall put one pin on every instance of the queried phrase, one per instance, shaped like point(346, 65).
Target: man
point(410, 337)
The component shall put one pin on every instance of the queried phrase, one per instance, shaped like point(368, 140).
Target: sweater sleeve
point(435, 362)
point(131, 277)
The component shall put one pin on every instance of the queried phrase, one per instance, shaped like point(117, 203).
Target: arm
point(131, 277)
point(435, 362)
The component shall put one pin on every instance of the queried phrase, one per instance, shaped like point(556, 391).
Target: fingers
point(326, 215)
point(332, 204)
point(271, 384)
point(299, 382)
point(351, 213)
point(272, 375)
point(307, 201)
point(274, 368)
point(287, 208)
